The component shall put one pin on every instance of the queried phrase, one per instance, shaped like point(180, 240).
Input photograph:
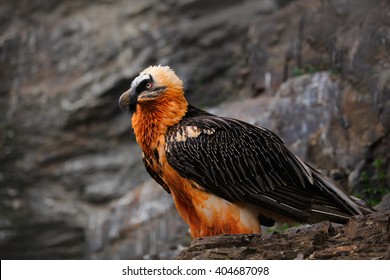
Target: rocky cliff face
point(72, 184)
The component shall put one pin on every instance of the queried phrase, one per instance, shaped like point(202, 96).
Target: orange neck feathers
point(153, 118)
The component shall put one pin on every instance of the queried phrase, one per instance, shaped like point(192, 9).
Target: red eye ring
point(149, 85)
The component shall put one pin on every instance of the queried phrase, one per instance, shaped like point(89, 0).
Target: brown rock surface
point(362, 238)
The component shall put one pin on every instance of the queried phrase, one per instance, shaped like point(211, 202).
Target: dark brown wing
point(154, 175)
point(241, 162)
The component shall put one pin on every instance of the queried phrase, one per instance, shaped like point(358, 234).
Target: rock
point(362, 238)
point(142, 224)
point(384, 205)
point(42, 240)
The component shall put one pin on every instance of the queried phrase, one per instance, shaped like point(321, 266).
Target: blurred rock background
point(72, 183)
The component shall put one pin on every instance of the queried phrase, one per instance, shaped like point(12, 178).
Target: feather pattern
point(153, 174)
point(245, 163)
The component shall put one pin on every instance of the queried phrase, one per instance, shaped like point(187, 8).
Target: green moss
point(374, 181)
point(281, 227)
point(298, 71)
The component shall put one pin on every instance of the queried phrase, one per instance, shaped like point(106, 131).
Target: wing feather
point(247, 163)
point(153, 174)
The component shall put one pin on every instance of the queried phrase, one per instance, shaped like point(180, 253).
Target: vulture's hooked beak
point(129, 98)
point(124, 100)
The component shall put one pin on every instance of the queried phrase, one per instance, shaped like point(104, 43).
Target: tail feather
point(364, 208)
point(337, 205)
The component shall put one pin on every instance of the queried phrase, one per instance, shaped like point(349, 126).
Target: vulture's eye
point(149, 85)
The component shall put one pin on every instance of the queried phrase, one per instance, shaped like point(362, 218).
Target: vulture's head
point(151, 87)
